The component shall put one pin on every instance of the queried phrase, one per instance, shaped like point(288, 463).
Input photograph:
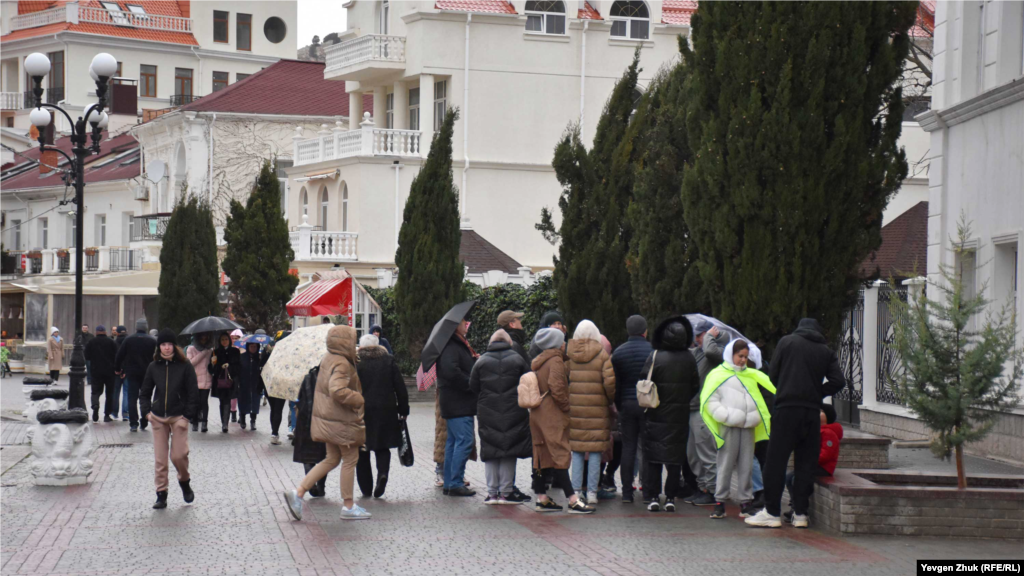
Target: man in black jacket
point(133, 357)
point(84, 337)
point(801, 363)
point(120, 389)
point(458, 408)
point(628, 363)
point(101, 352)
point(512, 323)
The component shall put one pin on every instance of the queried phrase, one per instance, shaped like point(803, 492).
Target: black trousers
point(631, 425)
point(225, 410)
point(795, 430)
point(364, 471)
point(554, 476)
point(652, 480)
point(54, 374)
point(613, 465)
point(321, 484)
point(276, 413)
point(204, 406)
point(103, 385)
point(134, 388)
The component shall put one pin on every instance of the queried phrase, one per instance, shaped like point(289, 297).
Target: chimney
point(185, 7)
point(48, 161)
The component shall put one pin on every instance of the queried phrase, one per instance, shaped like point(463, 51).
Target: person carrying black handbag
point(387, 405)
point(306, 451)
point(225, 368)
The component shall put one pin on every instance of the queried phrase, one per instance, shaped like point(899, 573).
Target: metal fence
point(64, 263)
point(149, 227)
point(850, 349)
point(92, 262)
point(890, 364)
point(123, 259)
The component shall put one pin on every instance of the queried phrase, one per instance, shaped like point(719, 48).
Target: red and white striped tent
point(335, 293)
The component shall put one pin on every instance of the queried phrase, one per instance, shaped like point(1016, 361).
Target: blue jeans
point(122, 383)
point(593, 471)
point(292, 407)
point(457, 450)
point(755, 477)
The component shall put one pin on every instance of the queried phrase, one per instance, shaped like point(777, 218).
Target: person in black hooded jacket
point(377, 331)
point(132, 360)
point(250, 384)
point(226, 369)
point(667, 426)
point(387, 404)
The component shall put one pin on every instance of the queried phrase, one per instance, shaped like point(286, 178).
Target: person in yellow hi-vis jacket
point(735, 412)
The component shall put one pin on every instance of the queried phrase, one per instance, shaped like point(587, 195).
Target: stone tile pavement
point(238, 524)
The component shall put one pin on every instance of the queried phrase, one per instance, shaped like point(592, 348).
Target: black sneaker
point(107, 418)
point(627, 498)
point(195, 426)
point(461, 491)
point(670, 505)
point(547, 506)
point(719, 511)
point(749, 509)
point(95, 415)
point(242, 423)
point(787, 517)
point(704, 499)
point(653, 506)
point(518, 497)
point(203, 430)
point(579, 507)
point(252, 424)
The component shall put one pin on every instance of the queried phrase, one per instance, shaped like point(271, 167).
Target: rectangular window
point(414, 109)
point(282, 179)
point(16, 224)
point(239, 77)
point(220, 26)
point(243, 31)
point(72, 232)
point(389, 111)
point(147, 81)
point(101, 230)
point(545, 23)
point(634, 29)
point(55, 79)
point(220, 81)
point(115, 13)
point(183, 81)
point(44, 233)
point(127, 227)
point(440, 103)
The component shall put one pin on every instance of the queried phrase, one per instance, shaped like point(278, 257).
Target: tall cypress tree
point(429, 270)
point(794, 117)
point(188, 265)
point(258, 256)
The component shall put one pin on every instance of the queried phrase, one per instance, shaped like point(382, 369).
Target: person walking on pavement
point(627, 363)
point(133, 358)
point(101, 353)
point(305, 450)
point(54, 354)
point(800, 367)
point(387, 404)
point(591, 393)
point(250, 385)
point(666, 428)
point(84, 337)
point(504, 426)
point(701, 453)
point(549, 425)
point(170, 397)
point(225, 367)
point(512, 323)
point(458, 408)
point(337, 421)
point(199, 353)
point(276, 404)
point(236, 335)
point(377, 331)
point(120, 386)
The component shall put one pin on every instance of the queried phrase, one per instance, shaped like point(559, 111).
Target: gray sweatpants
point(701, 453)
point(500, 475)
point(737, 454)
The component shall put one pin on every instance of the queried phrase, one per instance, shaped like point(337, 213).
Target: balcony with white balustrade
point(76, 13)
point(367, 141)
point(11, 101)
point(312, 245)
point(368, 57)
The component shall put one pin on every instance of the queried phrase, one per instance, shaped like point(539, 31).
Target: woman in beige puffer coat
point(591, 394)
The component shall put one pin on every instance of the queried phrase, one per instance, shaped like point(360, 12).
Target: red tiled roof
point(587, 12)
point(925, 24)
point(117, 170)
point(678, 12)
point(485, 6)
point(482, 256)
point(155, 7)
point(904, 249)
point(284, 87)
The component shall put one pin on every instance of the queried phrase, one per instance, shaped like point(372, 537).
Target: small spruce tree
point(429, 270)
point(957, 377)
point(189, 279)
point(258, 256)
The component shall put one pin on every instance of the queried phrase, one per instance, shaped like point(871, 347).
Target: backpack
point(647, 390)
point(529, 391)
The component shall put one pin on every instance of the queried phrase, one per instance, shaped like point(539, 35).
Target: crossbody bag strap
point(654, 358)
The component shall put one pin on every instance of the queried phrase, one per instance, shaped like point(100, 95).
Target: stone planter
point(62, 442)
point(17, 366)
point(919, 504)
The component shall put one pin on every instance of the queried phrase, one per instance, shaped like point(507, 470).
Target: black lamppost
point(103, 67)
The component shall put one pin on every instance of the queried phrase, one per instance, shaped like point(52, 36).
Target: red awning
point(323, 297)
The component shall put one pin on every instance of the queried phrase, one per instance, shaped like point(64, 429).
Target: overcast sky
point(320, 18)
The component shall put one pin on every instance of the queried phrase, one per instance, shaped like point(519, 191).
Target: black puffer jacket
point(232, 358)
point(101, 352)
point(453, 368)
point(135, 355)
point(504, 426)
point(385, 395)
point(170, 389)
point(518, 336)
point(250, 372)
point(675, 375)
point(305, 450)
point(800, 363)
point(628, 363)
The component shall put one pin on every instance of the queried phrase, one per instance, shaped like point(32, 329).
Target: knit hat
point(548, 338)
point(53, 329)
point(636, 325)
point(101, 328)
point(141, 325)
point(166, 335)
point(506, 317)
point(550, 318)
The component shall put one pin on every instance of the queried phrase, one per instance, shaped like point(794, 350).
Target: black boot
point(161, 500)
point(241, 421)
point(195, 426)
point(95, 415)
point(186, 492)
point(233, 414)
point(382, 483)
point(204, 427)
point(252, 422)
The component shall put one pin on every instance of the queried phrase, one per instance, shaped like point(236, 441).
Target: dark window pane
point(220, 26)
point(220, 81)
point(533, 22)
point(244, 31)
point(619, 28)
point(638, 29)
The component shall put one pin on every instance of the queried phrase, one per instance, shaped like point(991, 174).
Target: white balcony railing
point(323, 246)
point(367, 48)
point(367, 141)
point(11, 100)
point(76, 13)
point(40, 18)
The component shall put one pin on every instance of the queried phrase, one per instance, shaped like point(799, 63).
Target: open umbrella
point(442, 333)
point(292, 358)
point(211, 324)
point(260, 339)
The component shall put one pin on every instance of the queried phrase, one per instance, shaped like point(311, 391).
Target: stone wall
point(1005, 441)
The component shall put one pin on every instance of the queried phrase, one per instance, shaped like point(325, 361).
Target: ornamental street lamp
point(103, 67)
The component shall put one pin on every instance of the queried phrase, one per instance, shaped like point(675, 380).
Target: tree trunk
point(961, 476)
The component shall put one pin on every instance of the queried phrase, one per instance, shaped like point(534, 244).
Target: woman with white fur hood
point(387, 404)
point(591, 395)
point(734, 410)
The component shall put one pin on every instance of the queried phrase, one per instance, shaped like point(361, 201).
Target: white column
point(104, 258)
point(525, 272)
point(322, 135)
point(426, 112)
point(305, 233)
point(48, 267)
point(295, 144)
point(366, 126)
point(915, 286)
point(339, 129)
point(401, 106)
point(380, 95)
point(355, 110)
point(869, 368)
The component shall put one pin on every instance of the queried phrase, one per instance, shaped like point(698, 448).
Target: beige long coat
point(54, 353)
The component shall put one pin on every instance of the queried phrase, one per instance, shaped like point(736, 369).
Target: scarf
point(466, 343)
point(57, 338)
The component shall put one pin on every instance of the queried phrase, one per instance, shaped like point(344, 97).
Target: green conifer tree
point(429, 270)
point(258, 256)
point(189, 276)
point(794, 118)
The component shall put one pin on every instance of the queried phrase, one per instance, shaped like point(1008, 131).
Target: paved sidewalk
point(238, 524)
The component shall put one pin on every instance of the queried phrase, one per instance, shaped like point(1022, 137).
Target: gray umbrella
point(211, 324)
point(442, 333)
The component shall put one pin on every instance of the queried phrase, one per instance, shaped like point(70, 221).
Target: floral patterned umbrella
point(292, 358)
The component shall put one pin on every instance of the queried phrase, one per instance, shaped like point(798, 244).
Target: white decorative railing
point(122, 18)
point(310, 245)
point(40, 18)
point(367, 141)
point(367, 48)
point(11, 100)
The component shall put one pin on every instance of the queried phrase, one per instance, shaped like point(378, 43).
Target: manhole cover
point(114, 446)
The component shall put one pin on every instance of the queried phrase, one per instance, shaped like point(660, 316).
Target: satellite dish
point(156, 170)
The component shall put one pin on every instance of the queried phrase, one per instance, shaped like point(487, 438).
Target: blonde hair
point(587, 330)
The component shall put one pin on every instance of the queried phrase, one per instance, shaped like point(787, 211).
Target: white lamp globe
point(104, 120)
point(37, 64)
point(40, 118)
point(92, 74)
point(104, 65)
point(94, 116)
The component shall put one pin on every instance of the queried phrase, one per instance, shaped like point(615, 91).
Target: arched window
point(344, 207)
point(630, 20)
point(545, 17)
point(305, 203)
point(323, 208)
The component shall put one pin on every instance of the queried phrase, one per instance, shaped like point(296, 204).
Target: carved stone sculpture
point(62, 442)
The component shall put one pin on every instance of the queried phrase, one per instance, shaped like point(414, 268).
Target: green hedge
point(533, 302)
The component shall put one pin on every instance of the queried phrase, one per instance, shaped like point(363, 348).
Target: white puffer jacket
point(731, 405)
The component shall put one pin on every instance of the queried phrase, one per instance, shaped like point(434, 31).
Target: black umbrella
point(442, 333)
point(211, 324)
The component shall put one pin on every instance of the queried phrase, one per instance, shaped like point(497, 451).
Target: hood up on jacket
point(810, 329)
point(674, 333)
point(727, 357)
point(341, 340)
point(583, 351)
point(376, 328)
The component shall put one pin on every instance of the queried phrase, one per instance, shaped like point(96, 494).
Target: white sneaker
point(439, 480)
point(275, 440)
point(356, 512)
point(800, 520)
point(764, 520)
